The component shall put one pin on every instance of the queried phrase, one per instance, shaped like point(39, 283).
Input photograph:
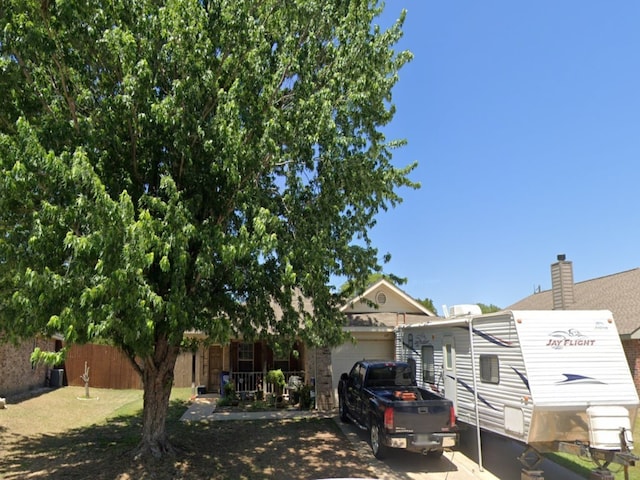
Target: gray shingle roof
point(385, 319)
point(619, 292)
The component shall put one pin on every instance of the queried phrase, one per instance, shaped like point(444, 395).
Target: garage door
point(344, 356)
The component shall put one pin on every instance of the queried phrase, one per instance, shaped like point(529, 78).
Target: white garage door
point(344, 356)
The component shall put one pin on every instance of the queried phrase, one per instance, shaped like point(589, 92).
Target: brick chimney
point(562, 283)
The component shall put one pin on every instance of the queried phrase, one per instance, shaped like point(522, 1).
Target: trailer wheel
point(342, 408)
point(378, 448)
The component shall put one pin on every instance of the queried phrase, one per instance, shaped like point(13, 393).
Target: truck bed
point(383, 398)
point(404, 394)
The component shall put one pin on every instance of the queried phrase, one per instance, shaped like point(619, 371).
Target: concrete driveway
point(500, 456)
point(402, 465)
point(500, 460)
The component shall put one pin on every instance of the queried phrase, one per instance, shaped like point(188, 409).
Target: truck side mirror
point(344, 377)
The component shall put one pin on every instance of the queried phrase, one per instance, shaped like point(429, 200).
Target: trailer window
point(428, 364)
point(489, 369)
point(448, 356)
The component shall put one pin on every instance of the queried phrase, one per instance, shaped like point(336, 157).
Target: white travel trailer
point(553, 380)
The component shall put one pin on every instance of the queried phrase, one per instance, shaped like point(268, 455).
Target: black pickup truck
point(383, 398)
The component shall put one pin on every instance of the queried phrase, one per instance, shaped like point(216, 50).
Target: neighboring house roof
point(619, 292)
point(384, 305)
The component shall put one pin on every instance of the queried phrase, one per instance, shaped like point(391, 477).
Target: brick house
point(618, 292)
point(18, 374)
point(370, 319)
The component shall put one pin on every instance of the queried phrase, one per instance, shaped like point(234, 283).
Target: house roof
point(619, 292)
point(384, 304)
point(385, 319)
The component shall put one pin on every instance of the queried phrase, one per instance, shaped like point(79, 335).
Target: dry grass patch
point(56, 436)
point(59, 410)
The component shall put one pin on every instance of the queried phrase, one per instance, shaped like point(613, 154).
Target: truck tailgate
point(426, 416)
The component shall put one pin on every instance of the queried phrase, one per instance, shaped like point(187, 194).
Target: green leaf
point(203, 166)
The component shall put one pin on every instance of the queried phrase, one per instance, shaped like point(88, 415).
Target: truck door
point(449, 367)
point(354, 385)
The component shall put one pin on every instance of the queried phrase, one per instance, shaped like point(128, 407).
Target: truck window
point(387, 375)
point(412, 365)
point(489, 369)
point(356, 375)
point(428, 364)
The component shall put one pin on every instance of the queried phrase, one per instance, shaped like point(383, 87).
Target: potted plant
point(230, 396)
point(276, 378)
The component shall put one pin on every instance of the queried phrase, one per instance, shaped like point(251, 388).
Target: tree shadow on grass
point(283, 449)
point(28, 395)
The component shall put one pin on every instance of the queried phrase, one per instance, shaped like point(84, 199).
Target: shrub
point(276, 378)
point(305, 396)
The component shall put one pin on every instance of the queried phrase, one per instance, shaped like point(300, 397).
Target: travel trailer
point(552, 380)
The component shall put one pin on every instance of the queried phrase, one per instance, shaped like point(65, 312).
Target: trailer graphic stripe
point(491, 338)
point(472, 391)
point(572, 378)
point(405, 344)
point(522, 376)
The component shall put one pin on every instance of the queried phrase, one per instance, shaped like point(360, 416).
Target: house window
point(489, 369)
point(245, 357)
point(281, 362)
point(428, 364)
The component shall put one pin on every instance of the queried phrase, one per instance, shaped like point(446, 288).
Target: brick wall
point(632, 351)
point(16, 373)
point(318, 362)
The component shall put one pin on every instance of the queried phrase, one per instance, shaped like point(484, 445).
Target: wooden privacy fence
point(108, 367)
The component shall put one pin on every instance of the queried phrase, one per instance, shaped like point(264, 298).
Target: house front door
point(215, 368)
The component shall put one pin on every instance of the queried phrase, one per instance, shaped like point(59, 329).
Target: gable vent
point(381, 298)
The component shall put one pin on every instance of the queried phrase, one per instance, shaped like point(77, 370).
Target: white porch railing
point(246, 382)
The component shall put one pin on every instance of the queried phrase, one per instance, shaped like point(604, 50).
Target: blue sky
point(524, 118)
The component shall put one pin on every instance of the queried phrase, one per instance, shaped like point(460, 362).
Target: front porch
point(248, 383)
point(245, 364)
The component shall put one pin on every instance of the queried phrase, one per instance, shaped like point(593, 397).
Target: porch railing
point(250, 382)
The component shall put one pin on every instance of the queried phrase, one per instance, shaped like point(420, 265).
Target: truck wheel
point(378, 448)
point(342, 408)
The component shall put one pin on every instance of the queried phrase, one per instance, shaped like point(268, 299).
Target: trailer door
point(449, 366)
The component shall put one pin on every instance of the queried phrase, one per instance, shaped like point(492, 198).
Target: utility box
point(225, 377)
point(56, 380)
point(532, 475)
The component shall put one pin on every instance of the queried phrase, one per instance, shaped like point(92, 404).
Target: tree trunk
point(157, 378)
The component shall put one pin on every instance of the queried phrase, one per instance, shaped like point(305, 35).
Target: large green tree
point(180, 165)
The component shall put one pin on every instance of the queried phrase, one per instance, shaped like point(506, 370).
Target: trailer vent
point(459, 310)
